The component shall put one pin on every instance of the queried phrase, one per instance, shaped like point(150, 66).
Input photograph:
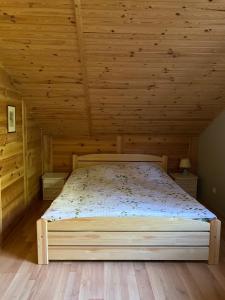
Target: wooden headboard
point(93, 159)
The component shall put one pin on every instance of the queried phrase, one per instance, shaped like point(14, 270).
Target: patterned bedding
point(124, 190)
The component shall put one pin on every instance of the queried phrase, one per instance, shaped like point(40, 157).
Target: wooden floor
point(22, 278)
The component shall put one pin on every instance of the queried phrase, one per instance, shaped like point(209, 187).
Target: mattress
point(124, 190)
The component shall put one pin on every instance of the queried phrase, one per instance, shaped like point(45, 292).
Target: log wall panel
point(13, 204)
point(62, 149)
point(175, 147)
point(12, 156)
point(34, 160)
point(41, 53)
point(20, 157)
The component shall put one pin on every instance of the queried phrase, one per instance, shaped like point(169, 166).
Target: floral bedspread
point(124, 190)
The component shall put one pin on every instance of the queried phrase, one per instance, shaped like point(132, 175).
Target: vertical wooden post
point(42, 152)
point(119, 144)
point(42, 241)
point(214, 243)
point(75, 161)
point(165, 162)
point(83, 59)
point(25, 154)
point(47, 162)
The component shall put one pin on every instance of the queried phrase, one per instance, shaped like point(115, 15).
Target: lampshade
point(185, 163)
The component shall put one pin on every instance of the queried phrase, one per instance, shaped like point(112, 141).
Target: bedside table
point(188, 182)
point(52, 184)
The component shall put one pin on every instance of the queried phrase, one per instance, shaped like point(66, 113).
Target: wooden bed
point(127, 238)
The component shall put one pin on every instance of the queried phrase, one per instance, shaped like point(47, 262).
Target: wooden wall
point(19, 163)
point(12, 156)
point(39, 48)
point(34, 160)
point(175, 147)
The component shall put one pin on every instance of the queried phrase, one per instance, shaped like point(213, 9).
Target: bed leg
point(42, 241)
point(214, 243)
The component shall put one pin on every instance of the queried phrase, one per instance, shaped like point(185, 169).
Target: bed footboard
point(123, 239)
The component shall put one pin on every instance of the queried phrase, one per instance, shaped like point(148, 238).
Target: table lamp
point(185, 165)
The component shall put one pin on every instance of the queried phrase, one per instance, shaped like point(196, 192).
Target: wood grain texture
point(11, 155)
point(42, 242)
point(63, 149)
point(141, 59)
point(93, 159)
point(126, 253)
point(47, 162)
point(34, 160)
point(21, 277)
point(20, 156)
point(163, 239)
point(143, 238)
point(103, 239)
point(120, 224)
point(89, 238)
point(215, 234)
point(42, 55)
point(25, 156)
point(82, 52)
point(120, 66)
point(175, 147)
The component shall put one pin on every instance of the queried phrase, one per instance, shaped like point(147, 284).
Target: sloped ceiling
point(123, 66)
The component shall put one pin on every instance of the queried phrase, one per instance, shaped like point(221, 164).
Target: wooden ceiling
point(122, 66)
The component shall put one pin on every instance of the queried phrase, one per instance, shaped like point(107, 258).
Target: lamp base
point(185, 172)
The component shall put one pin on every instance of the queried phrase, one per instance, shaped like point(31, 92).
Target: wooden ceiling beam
point(81, 47)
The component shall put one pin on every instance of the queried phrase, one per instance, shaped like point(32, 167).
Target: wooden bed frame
point(128, 238)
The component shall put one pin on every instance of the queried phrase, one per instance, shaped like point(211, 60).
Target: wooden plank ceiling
point(123, 66)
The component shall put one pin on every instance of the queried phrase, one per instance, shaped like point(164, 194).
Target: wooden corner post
point(214, 243)
point(75, 161)
point(165, 162)
point(42, 241)
point(47, 155)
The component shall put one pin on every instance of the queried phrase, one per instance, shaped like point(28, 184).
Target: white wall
point(212, 165)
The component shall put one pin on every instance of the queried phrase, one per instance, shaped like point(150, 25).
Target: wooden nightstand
point(188, 182)
point(52, 184)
